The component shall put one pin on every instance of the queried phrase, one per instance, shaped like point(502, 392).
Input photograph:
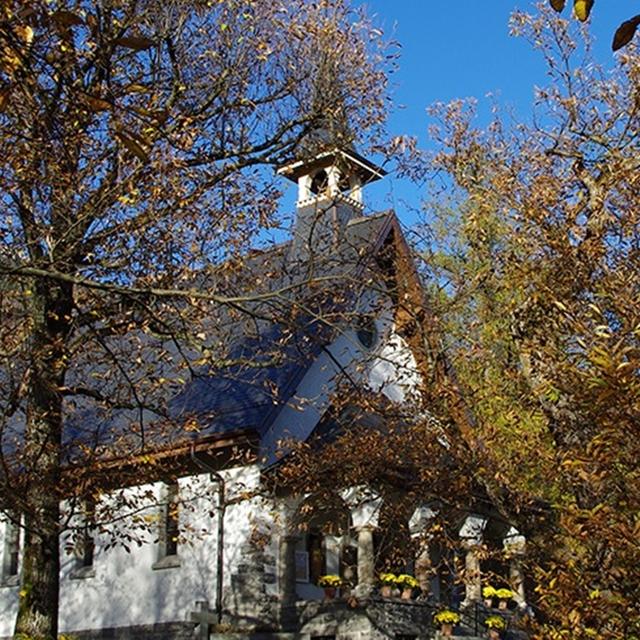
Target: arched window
point(320, 182)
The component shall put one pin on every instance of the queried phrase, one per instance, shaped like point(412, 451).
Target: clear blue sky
point(462, 49)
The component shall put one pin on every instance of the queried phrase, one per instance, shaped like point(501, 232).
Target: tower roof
point(367, 170)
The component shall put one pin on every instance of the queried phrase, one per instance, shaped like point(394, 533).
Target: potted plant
point(495, 626)
point(388, 582)
point(406, 584)
point(488, 594)
point(446, 619)
point(504, 595)
point(330, 583)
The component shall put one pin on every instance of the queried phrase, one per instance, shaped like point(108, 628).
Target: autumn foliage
point(539, 282)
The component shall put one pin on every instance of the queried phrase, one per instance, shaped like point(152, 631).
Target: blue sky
point(461, 49)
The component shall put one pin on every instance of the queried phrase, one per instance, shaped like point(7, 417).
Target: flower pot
point(488, 602)
point(446, 629)
point(494, 634)
point(385, 590)
point(329, 593)
point(406, 593)
point(503, 604)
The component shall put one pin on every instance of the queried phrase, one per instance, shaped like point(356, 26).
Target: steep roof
point(268, 356)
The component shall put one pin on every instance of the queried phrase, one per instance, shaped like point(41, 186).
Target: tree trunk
point(51, 317)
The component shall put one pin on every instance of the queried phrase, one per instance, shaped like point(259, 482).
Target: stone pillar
point(287, 570)
point(471, 536)
point(516, 576)
point(366, 562)
point(365, 509)
point(419, 525)
point(423, 570)
point(333, 178)
point(514, 546)
point(304, 188)
point(472, 575)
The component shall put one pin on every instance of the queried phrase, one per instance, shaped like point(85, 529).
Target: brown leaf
point(137, 43)
point(66, 18)
point(159, 115)
point(582, 9)
point(136, 88)
point(558, 5)
point(4, 98)
point(97, 104)
point(625, 32)
point(133, 146)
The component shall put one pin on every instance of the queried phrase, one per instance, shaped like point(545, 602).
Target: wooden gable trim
point(421, 329)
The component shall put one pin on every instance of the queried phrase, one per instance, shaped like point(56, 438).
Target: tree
point(539, 273)
point(136, 139)
point(533, 271)
point(582, 10)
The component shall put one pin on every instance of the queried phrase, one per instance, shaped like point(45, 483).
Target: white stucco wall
point(126, 589)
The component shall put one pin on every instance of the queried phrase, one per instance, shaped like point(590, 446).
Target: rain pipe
point(215, 476)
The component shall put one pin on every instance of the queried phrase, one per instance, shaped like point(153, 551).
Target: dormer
point(330, 185)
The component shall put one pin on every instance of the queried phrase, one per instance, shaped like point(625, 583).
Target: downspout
point(215, 476)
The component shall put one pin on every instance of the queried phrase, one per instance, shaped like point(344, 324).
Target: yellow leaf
point(582, 9)
point(558, 5)
point(25, 34)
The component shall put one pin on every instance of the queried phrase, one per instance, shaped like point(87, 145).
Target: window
point(169, 533)
point(11, 559)
point(320, 182)
point(316, 555)
point(86, 546)
point(171, 527)
point(367, 332)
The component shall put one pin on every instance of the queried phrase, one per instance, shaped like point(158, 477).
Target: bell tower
point(330, 187)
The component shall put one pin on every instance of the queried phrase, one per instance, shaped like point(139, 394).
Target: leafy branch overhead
point(582, 9)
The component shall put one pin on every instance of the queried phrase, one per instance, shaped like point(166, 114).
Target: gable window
point(366, 332)
point(169, 527)
point(11, 555)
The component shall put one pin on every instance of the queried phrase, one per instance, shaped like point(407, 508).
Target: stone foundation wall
point(164, 631)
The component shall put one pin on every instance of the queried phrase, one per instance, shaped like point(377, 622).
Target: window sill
point(10, 581)
point(82, 573)
point(168, 562)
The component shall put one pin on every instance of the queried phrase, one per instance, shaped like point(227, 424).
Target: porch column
point(472, 576)
point(424, 569)
point(419, 526)
point(365, 509)
point(471, 535)
point(514, 545)
point(366, 562)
